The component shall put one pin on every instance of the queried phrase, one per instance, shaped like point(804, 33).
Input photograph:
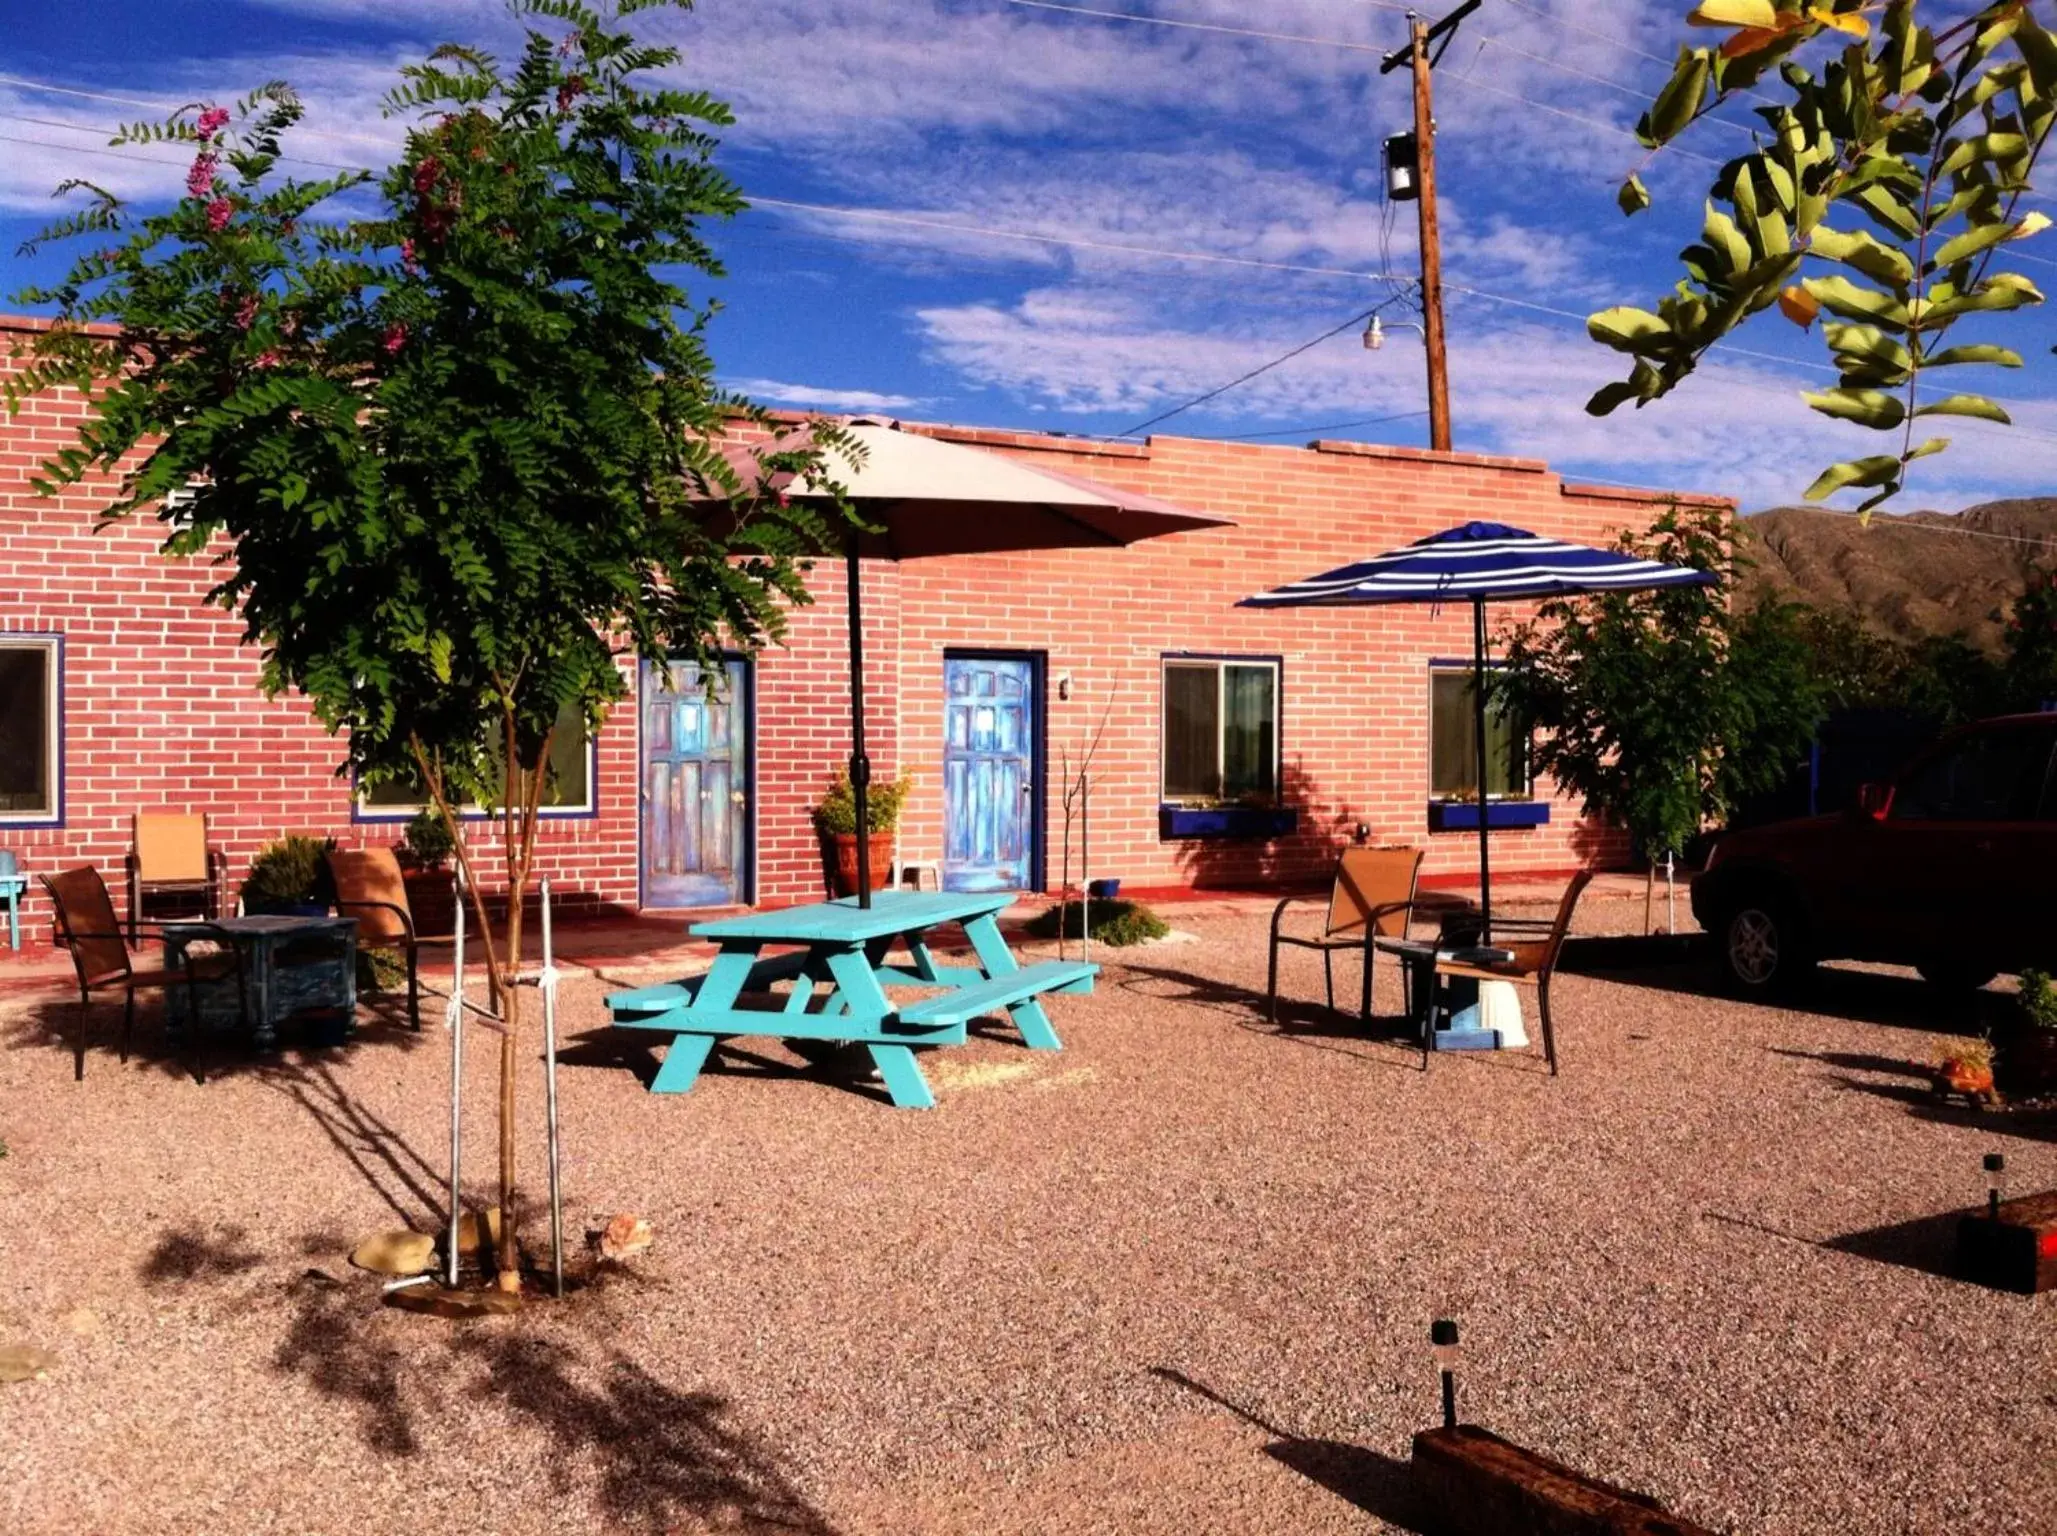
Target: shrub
point(2038, 1000)
point(836, 816)
point(291, 871)
point(1117, 924)
point(380, 970)
point(427, 844)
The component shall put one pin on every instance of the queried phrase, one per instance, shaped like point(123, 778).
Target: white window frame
point(1466, 669)
point(363, 810)
point(52, 647)
point(1220, 664)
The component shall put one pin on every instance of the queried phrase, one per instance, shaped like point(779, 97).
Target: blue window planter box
point(1227, 821)
point(1462, 815)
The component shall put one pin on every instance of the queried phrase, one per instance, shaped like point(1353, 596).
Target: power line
point(46, 88)
point(1263, 368)
point(1209, 26)
point(1328, 426)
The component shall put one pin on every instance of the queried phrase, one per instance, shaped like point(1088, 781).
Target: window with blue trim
point(1221, 736)
point(1453, 741)
point(31, 730)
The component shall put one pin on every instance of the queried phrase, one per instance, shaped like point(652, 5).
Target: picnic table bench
point(839, 971)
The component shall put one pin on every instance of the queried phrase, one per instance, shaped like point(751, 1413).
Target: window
point(568, 793)
point(31, 754)
point(1996, 775)
point(1220, 730)
point(1453, 741)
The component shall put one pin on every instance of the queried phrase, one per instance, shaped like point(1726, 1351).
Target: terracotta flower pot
point(431, 901)
point(843, 861)
point(2026, 1061)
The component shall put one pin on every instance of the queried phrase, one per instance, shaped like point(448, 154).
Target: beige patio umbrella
point(923, 496)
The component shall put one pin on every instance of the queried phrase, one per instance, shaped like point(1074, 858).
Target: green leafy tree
point(450, 461)
point(1896, 170)
point(1662, 710)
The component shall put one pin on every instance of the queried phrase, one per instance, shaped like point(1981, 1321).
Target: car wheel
point(1956, 975)
point(1761, 948)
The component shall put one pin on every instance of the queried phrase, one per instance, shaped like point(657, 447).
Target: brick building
point(119, 693)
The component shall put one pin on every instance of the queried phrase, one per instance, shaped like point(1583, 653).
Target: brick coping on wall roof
point(1080, 445)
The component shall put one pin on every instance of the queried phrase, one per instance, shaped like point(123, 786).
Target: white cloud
point(819, 398)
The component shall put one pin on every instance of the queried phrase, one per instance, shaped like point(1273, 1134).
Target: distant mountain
point(1909, 575)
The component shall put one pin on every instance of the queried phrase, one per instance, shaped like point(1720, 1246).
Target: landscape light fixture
point(1995, 1166)
point(1442, 1335)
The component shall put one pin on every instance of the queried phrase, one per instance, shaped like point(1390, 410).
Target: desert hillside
point(1903, 576)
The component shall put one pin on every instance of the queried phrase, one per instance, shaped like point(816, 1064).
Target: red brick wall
point(162, 708)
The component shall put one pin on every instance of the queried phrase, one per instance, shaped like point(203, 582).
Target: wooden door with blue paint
point(695, 786)
point(989, 788)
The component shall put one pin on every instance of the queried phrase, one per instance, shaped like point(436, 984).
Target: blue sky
point(948, 128)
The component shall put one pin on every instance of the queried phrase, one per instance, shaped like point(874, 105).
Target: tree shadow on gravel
point(332, 1343)
point(659, 1455)
point(389, 1165)
point(53, 1025)
point(1375, 1483)
point(187, 1255)
point(1300, 1022)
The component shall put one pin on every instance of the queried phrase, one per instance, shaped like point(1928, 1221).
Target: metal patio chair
point(1535, 943)
point(169, 856)
point(100, 955)
point(1372, 897)
point(371, 888)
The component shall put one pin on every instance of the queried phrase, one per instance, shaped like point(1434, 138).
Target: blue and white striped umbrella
point(1479, 562)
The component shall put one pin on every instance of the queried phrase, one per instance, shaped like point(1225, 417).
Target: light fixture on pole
point(1996, 1165)
point(1442, 1336)
point(1375, 332)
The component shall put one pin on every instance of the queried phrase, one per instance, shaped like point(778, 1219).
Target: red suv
point(1950, 868)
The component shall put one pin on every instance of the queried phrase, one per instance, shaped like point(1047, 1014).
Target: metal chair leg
point(128, 1023)
point(1271, 984)
point(413, 986)
point(1370, 962)
point(1549, 1036)
point(78, 1055)
point(1328, 976)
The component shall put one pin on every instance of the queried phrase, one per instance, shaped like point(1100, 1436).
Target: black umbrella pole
point(1485, 862)
point(860, 764)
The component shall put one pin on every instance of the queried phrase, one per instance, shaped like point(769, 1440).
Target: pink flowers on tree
point(200, 179)
point(218, 214)
point(211, 122)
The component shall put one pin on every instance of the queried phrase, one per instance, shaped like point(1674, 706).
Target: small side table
point(291, 965)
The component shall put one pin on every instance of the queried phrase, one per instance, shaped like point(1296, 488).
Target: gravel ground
point(1176, 1278)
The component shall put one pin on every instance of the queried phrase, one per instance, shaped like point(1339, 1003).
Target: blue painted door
point(695, 786)
point(989, 751)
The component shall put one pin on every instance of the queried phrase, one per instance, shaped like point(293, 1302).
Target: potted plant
point(290, 878)
point(1966, 1068)
point(424, 852)
point(2025, 1053)
point(835, 818)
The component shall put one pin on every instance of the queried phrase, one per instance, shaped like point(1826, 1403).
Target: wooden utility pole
point(1431, 244)
point(1416, 55)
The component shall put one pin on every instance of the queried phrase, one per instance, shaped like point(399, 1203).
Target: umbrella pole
point(1478, 688)
point(860, 764)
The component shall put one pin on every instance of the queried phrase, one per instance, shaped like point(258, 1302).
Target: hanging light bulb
point(1374, 335)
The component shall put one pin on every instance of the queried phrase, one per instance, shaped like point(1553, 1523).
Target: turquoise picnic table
point(840, 960)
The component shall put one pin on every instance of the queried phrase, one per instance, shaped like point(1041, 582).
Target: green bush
point(837, 813)
point(2038, 1000)
point(290, 872)
point(1117, 924)
point(427, 844)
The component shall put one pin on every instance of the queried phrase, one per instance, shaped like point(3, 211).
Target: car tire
point(1762, 950)
point(1956, 975)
